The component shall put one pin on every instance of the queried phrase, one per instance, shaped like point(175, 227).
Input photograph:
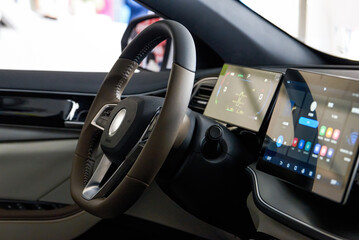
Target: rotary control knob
point(212, 145)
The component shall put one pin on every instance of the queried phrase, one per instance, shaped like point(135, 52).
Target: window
point(64, 35)
point(331, 26)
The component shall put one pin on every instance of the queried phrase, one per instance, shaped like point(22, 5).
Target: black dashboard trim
point(44, 109)
point(273, 212)
point(88, 83)
point(155, 92)
point(7, 90)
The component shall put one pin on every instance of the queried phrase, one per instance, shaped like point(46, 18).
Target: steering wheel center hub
point(128, 121)
point(116, 122)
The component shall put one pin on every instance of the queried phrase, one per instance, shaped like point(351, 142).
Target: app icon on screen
point(279, 141)
point(329, 132)
point(295, 142)
point(313, 106)
point(330, 153)
point(322, 130)
point(307, 146)
point(336, 134)
point(317, 148)
point(323, 151)
point(301, 144)
point(352, 138)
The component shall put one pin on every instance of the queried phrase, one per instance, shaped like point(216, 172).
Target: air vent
point(201, 92)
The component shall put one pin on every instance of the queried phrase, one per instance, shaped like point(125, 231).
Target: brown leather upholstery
point(159, 143)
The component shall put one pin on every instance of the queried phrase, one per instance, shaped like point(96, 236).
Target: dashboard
point(256, 111)
point(306, 121)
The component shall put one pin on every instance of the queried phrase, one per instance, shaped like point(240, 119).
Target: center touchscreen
point(242, 96)
point(312, 138)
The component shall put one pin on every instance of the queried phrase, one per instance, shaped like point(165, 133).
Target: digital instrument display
point(242, 96)
point(312, 138)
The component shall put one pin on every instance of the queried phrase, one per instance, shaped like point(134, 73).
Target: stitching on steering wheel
point(139, 57)
point(89, 164)
point(147, 48)
point(124, 78)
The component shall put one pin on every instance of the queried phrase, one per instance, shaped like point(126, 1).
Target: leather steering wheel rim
point(164, 134)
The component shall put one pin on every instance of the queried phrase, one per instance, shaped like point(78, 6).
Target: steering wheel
point(124, 143)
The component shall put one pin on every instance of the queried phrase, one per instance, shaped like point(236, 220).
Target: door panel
point(65, 228)
point(41, 114)
point(59, 194)
point(35, 175)
point(30, 170)
point(24, 133)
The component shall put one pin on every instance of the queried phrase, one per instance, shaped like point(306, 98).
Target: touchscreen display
point(242, 96)
point(312, 138)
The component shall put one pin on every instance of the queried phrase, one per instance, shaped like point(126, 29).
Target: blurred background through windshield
point(64, 35)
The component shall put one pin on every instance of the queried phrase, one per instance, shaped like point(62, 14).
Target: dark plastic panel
point(312, 215)
point(45, 110)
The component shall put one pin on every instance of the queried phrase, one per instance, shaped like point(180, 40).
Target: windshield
point(64, 35)
point(330, 26)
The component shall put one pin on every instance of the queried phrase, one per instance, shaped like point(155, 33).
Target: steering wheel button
point(107, 112)
point(101, 122)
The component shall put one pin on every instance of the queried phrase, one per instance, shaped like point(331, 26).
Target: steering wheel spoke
point(93, 187)
point(107, 174)
point(146, 134)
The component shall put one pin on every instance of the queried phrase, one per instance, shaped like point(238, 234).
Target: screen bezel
point(297, 179)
